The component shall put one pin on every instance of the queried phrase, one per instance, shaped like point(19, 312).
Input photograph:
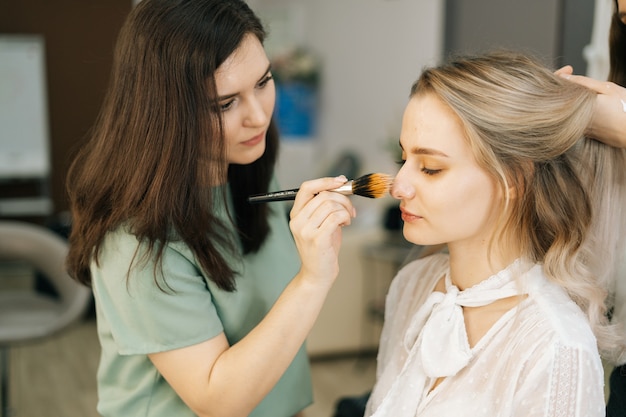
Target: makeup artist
point(609, 126)
point(203, 301)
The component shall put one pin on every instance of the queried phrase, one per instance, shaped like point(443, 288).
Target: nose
point(402, 189)
point(256, 114)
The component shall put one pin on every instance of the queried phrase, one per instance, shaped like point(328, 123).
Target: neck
point(472, 265)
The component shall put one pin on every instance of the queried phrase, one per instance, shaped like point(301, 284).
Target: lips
point(407, 216)
point(254, 141)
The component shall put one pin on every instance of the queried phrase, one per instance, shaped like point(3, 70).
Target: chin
point(417, 238)
point(248, 157)
point(411, 237)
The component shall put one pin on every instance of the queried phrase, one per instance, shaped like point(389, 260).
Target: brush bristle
point(372, 185)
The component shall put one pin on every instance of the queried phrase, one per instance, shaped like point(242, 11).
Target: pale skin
point(447, 198)
point(609, 122)
point(212, 377)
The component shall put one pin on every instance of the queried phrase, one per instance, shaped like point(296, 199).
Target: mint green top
point(136, 318)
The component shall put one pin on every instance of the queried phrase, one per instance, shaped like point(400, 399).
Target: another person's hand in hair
point(609, 126)
point(609, 122)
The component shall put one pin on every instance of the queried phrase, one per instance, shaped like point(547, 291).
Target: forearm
point(609, 119)
point(609, 122)
point(244, 374)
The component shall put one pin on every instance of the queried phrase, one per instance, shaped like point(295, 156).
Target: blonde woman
point(513, 320)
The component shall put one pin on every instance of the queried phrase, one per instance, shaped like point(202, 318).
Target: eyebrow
point(424, 151)
point(229, 96)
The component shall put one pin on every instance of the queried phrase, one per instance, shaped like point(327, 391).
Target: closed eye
point(225, 106)
point(428, 171)
point(263, 83)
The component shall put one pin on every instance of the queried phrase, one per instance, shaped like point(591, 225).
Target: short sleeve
point(145, 317)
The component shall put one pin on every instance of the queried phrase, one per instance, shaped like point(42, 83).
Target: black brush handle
point(275, 196)
point(345, 189)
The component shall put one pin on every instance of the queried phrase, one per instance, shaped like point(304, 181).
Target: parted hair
point(526, 127)
point(156, 147)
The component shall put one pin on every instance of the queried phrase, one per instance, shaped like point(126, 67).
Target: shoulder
point(551, 339)
point(124, 246)
point(555, 351)
point(125, 259)
point(553, 314)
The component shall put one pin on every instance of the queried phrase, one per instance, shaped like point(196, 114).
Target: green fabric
point(136, 318)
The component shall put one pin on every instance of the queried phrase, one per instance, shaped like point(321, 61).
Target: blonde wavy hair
point(526, 128)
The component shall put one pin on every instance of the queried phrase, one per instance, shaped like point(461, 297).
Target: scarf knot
point(438, 328)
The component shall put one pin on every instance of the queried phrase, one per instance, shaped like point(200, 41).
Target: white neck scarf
point(437, 340)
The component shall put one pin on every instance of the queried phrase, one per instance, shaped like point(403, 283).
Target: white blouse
point(539, 359)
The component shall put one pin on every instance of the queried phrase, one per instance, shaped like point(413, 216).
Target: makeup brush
point(370, 186)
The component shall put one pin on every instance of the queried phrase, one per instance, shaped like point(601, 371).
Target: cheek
point(466, 204)
point(268, 100)
point(477, 204)
point(232, 135)
point(230, 131)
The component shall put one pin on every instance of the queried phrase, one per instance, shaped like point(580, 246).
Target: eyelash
point(425, 170)
point(430, 171)
point(224, 107)
point(266, 80)
point(262, 84)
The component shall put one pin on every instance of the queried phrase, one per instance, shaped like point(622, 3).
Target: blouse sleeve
point(568, 381)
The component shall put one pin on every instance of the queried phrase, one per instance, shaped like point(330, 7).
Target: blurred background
point(343, 71)
point(56, 58)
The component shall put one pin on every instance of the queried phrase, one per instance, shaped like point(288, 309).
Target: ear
point(522, 177)
point(512, 191)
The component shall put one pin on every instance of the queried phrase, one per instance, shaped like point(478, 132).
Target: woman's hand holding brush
point(316, 220)
point(316, 217)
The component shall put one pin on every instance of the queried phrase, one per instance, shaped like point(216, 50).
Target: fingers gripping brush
point(370, 186)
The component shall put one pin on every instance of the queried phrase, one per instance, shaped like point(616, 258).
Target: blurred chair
point(25, 314)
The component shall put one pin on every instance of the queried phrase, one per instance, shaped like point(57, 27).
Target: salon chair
point(28, 315)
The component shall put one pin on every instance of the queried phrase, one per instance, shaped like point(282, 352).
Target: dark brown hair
point(148, 164)
point(617, 49)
